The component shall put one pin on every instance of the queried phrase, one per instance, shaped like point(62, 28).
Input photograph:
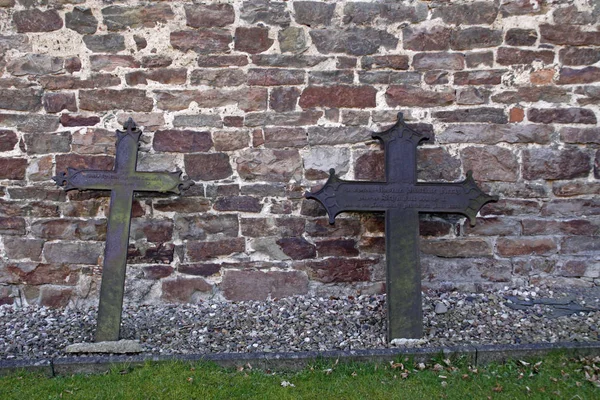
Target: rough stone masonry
point(255, 101)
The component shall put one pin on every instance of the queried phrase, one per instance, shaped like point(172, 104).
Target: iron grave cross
point(402, 199)
point(122, 181)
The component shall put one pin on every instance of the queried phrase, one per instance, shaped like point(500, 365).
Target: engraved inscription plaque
point(122, 181)
point(402, 198)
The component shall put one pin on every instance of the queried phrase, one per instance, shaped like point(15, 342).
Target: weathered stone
point(207, 166)
point(461, 248)
point(140, 42)
point(69, 229)
point(48, 143)
point(355, 41)
point(412, 96)
point(579, 56)
point(491, 163)
point(292, 40)
point(56, 102)
point(269, 12)
point(209, 15)
point(202, 41)
point(389, 77)
point(82, 21)
point(156, 61)
point(238, 203)
point(322, 158)
point(113, 347)
point(475, 38)
point(108, 43)
point(231, 140)
point(338, 96)
point(300, 118)
point(395, 12)
point(167, 76)
point(520, 7)
point(218, 78)
point(35, 20)
point(511, 56)
point(199, 251)
point(30, 122)
point(580, 245)
point(275, 77)
point(435, 78)
point(185, 290)
point(570, 76)
point(207, 226)
point(561, 115)
point(580, 227)
point(55, 297)
point(337, 248)
point(436, 164)
point(550, 94)
point(580, 135)
point(20, 99)
point(391, 62)
point(264, 227)
point(110, 99)
point(313, 13)
point(69, 120)
point(494, 226)
point(285, 137)
point(444, 61)
point(472, 96)
point(258, 285)
point(184, 141)
point(18, 248)
point(12, 168)
point(334, 270)
point(424, 39)
point(220, 61)
point(286, 60)
point(342, 228)
point(475, 60)
point(493, 134)
point(119, 18)
point(8, 140)
point(571, 15)
point(542, 76)
point(545, 163)
point(524, 246)
point(334, 77)
point(337, 135)
point(12, 226)
point(35, 64)
point(481, 77)
point(150, 253)
point(284, 99)
point(109, 62)
point(73, 252)
point(197, 121)
point(297, 248)
point(153, 230)
point(268, 165)
point(520, 37)
point(252, 40)
point(568, 35)
point(247, 99)
point(570, 207)
point(477, 13)
point(361, 13)
point(483, 114)
point(63, 161)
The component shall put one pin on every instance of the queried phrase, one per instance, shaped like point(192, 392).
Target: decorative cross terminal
point(402, 198)
point(122, 181)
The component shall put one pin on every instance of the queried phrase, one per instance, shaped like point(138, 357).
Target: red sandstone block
point(258, 285)
point(525, 246)
point(338, 96)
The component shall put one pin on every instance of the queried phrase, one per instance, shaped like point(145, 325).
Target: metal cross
point(122, 181)
point(402, 198)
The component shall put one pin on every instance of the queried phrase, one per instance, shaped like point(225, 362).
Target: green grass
point(554, 377)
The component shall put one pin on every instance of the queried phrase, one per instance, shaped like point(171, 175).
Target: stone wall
point(255, 101)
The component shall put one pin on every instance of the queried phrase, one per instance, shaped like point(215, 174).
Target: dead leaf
point(444, 383)
point(442, 377)
point(438, 368)
point(420, 366)
point(404, 375)
point(524, 363)
point(396, 365)
point(447, 362)
point(354, 373)
point(465, 376)
point(190, 379)
point(554, 379)
point(240, 368)
point(328, 371)
point(497, 389)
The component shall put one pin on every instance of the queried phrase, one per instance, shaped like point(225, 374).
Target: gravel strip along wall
point(300, 323)
point(255, 101)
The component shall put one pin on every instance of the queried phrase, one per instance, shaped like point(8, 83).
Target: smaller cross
point(402, 198)
point(122, 182)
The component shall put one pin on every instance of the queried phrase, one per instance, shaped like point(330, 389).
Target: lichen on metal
point(122, 181)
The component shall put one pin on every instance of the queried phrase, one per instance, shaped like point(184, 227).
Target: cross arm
point(111, 180)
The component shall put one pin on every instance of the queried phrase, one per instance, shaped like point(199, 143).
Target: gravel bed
point(525, 315)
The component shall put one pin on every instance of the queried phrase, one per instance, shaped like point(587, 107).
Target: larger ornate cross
point(402, 198)
point(122, 181)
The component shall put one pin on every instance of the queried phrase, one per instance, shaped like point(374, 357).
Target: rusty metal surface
point(122, 181)
point(401, 197)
